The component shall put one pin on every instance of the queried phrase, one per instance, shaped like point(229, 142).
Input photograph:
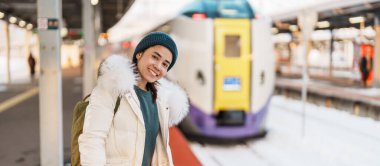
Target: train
point(227, 68)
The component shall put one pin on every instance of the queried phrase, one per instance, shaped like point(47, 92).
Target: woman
point(138, 134)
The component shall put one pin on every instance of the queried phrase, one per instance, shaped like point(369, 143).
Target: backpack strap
point(84, 99)
point(117, 105)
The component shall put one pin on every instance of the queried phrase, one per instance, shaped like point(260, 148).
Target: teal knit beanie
point(157, 38)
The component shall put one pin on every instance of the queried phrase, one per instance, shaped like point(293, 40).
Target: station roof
point(337, 12)
point(115, 17)
point(155, 13)
point(288, 9)
point(111, 11)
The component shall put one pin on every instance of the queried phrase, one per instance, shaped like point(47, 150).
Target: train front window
point(232, 47)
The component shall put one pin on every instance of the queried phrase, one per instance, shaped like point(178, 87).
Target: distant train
point(227, 68)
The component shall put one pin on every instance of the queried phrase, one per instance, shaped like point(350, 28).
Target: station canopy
point(289, 9)
point(143, 16)
point(146, 15)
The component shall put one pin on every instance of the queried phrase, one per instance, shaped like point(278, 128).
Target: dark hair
point(152, 87)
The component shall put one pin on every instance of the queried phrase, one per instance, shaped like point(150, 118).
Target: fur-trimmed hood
point(116, 76)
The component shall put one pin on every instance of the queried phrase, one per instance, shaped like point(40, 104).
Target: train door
point(232, 70)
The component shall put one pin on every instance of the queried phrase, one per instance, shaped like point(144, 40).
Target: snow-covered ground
point(332, 138)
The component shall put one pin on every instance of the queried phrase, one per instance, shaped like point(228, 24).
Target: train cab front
point(230, 117)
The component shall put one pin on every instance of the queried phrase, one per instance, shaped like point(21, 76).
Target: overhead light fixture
point(355, 20)
point(29, 26)
point(323, 24)
point(64, 32)
point(2, 15)
point(293, 28)
point(21, 23)
point(274, 30)
point(12, 19)
point(94, 2)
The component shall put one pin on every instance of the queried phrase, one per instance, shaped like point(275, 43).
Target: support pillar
point(98, 30)
point(306, 21)
point(28, 35)
point(331, 53)
point(7, 54)
point(50, 83)
point(376, 59)
point(89, 58)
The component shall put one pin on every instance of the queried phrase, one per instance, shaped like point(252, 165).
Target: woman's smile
point(153, 72)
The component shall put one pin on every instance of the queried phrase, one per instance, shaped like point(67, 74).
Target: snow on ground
point(332, 138)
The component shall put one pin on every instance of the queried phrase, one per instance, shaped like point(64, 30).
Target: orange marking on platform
point(181, 152)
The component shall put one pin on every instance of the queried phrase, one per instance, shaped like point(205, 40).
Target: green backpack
point(77, 127)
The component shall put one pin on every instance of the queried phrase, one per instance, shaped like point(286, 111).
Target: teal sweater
point(152, 125)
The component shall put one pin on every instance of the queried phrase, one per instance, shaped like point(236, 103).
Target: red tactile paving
point(181, 152)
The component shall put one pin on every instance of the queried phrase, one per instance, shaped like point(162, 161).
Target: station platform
point(19, 123)
point(358, 100)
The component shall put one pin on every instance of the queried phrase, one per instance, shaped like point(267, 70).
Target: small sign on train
point(231, 84)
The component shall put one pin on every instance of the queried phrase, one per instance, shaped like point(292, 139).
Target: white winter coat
point(119, 140)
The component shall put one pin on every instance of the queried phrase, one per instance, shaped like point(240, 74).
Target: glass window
point(232, 47)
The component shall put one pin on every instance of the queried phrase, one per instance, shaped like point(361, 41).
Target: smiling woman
point(160, 54)
point(153, 64)
point(138, 133)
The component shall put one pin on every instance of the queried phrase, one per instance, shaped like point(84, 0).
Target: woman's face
point(153, 63)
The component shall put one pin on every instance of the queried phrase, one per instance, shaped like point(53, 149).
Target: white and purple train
point(227, 68)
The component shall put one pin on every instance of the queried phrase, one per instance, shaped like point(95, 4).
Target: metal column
point(89, 58)
point(306, 20)
point(50, 83)
point(376, 59)
point(7, 54)
point(28, 35)
point(98, 30)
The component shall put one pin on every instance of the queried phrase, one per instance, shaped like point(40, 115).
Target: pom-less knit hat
point(157, 38)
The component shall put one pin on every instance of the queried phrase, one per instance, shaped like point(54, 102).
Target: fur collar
point(116, 76)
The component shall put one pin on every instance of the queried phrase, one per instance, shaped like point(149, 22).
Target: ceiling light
point(29, 26)
point(64, 32)
point(274, 30)
point(2, 15)
point(94, 2)
point(354, 20)
point(293, 28)
point(12, 19)
point(323, 24)
point(21, 23)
